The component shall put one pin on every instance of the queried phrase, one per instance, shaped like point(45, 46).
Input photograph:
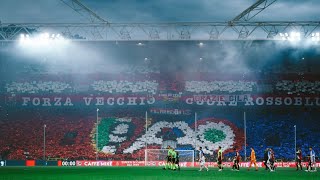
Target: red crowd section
point(21, 134)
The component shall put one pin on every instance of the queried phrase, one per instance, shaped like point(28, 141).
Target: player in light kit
point(312, 161)
point(298, 159)
point(202, 160)
point(271, 160)
point(236, 161)
point(173, 159)
point(253, 160)
point(220, 158)
point(169, 159)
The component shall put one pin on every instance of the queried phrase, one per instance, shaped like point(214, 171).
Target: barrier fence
point(89, 163)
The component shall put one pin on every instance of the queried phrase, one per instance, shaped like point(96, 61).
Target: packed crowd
point(277, 132)
point(125, 86)
point(124, 138)
point(24, 133)
point(152, 135)
point(154, 86)
point(298, 87)
point(35, 87)
point(219, 86)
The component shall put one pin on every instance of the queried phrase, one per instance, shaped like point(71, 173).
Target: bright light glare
point(297, 36)
point(315, 37)
point(46, 35)
point(24, 38)
point(293, 36)
point(43, 37)
point(43, 40)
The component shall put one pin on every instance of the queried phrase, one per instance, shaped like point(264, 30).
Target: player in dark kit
point(236, 161)
point(298, 159)
point(220, 158)
point(265, 158)
point(177, 160)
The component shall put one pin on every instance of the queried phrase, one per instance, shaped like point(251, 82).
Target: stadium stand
point(35, 87)
point(72, 136)
point(219, 86)
point(71, 131)
point(298, 87)
point(125, 86)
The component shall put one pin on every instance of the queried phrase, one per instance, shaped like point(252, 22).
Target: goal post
point(157, 157)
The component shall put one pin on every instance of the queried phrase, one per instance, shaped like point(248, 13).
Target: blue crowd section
point(279, 132)
point(275, 129)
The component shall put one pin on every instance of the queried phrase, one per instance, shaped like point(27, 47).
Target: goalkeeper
point(169, 163)
point(173, 159)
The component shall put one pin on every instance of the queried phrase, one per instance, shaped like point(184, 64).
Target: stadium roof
point(39, 11)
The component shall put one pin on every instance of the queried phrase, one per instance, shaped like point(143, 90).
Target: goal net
point(157, 157)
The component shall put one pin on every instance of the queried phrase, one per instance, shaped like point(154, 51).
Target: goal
point(157, 157)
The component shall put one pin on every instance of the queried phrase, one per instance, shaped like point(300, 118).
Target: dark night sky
point(54, 11)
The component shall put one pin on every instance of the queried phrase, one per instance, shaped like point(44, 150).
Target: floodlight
point(46, 35)
point(294, 36)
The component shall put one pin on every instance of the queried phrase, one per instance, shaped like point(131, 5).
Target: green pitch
point(132, 173)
